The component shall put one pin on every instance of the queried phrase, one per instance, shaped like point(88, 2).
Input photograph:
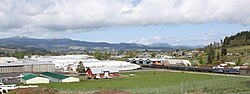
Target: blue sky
point(181, 34)
point(176, 22)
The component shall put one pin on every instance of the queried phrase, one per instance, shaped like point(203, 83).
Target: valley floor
point(158, 82)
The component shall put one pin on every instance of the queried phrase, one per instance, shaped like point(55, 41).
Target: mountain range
point(65, 44)
point(176, 47)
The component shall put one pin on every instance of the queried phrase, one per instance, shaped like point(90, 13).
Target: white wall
point(36, 80)
point(71, 79)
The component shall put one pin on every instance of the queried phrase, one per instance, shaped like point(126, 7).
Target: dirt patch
point(110, 92)
point(34, 91)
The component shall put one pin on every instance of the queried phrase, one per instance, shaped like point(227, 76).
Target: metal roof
point(37, 63)
point(29, 76)
point(55, 75)
point(26, 63)
point(10, 64)
point(100, 70)
point(96, 70)
point(113, 69)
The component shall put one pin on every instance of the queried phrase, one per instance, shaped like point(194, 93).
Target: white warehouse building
point(33, 79)
point(54, 77)
point(70, 62)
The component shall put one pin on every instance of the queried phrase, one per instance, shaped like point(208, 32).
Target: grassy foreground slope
point(243, 50)
point(159, 81)
point(239, 49)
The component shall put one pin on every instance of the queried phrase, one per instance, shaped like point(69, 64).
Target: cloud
point(147, 41)
point(200, 39)
point(26, 16)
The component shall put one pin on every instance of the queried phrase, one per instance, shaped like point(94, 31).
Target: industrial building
point(11, 67)
point(159, 61)
point(55, 77)
point(176, 62)
point(121, 65)
point(68, 63)
point(33, 79)
point(27, 66)
point(38, 66)
point(146, 61)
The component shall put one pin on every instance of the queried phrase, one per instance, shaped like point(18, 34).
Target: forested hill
point(240, 39)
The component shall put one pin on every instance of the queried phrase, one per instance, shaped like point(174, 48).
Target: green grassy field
point(154, 82)
point(239, 49)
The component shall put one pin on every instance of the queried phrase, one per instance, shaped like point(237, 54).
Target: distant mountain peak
point(19, 37)
point(64, 44)
point(159, 45)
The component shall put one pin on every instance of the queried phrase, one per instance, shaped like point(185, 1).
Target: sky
point(176, 22)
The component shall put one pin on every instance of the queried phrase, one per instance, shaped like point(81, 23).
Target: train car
point(231, 71)
point(200, 69)
point(204, 69)
point(218, 70)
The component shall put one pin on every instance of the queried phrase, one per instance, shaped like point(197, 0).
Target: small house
point(33, 79)
point(55, 77)
point(102, 72)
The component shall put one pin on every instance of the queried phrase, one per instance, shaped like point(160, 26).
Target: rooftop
point(100, 70)
point(10, 64)
point(29, 76)
point(37, 63)
point(26, 63)
point(54, 75)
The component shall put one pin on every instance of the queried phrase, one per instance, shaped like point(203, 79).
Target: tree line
point(240, 39)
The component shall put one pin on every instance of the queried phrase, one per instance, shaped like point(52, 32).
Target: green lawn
point(148, 82)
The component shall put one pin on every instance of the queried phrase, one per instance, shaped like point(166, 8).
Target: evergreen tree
point(201, 61)
point(240, 39)
point(153, 54)
point(211, 54)
point(105, 56)
point(131, 54)
point(239, 62)
point(222, 59)
point(218, 56)
point(97, 55)
point(80, 68)
point(223, 51)
point(221, 41)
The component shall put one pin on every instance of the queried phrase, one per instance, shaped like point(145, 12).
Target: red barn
point(102, 72)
